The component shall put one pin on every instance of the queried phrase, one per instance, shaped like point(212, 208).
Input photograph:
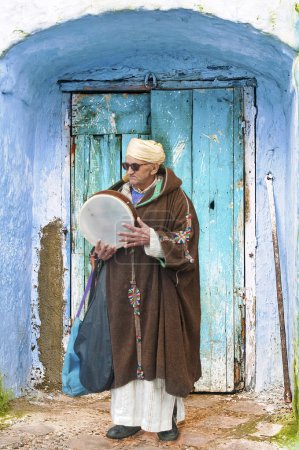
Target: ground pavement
point(54, 421)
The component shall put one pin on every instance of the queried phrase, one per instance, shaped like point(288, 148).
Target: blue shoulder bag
point(71, 384)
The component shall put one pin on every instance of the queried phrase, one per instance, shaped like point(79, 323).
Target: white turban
point(146, 150)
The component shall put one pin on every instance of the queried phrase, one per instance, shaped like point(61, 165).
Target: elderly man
point(153, 299)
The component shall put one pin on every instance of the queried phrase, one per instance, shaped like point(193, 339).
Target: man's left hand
point(137, 236)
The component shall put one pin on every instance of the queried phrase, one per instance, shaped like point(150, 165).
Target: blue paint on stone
point(111, 46)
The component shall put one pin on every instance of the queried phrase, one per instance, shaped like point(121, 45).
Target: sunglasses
point(134, 166)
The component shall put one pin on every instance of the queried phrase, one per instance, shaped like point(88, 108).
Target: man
point(153, 299)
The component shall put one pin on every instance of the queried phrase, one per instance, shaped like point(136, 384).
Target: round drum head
point(102, 216)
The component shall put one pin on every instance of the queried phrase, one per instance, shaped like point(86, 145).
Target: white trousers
point(145, 404)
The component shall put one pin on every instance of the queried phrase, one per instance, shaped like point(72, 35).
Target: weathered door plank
point(238, 242)
point(97, 165)
point(78, 183)
point(249, 115)
point(213, 199)
point(110, 114)
point(102, 168)
point(171, 113)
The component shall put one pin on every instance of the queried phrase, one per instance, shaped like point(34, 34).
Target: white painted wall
point(20, 18)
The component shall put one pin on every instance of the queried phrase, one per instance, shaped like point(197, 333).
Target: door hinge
point(244, 293)
point(73, 152)
point(241, 292)
point(73, 237)
point(65, 231)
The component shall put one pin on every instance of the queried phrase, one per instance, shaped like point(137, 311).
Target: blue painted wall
point(16, 184)
point(35, 191)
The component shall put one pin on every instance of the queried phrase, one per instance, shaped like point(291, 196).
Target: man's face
point(144, 176)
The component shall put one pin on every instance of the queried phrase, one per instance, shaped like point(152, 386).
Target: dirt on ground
point(54, 421)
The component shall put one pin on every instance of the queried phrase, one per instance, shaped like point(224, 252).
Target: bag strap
point(84, 295)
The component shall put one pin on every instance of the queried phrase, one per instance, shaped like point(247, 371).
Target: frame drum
point(102, 215)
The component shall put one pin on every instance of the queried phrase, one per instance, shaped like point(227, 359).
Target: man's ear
point(155, 169)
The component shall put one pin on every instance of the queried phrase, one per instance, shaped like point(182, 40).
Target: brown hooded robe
point(169, 288)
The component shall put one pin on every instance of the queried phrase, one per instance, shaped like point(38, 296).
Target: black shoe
point(121, 431)
point(169, 435)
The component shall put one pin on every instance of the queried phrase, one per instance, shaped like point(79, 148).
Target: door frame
point(248, 294)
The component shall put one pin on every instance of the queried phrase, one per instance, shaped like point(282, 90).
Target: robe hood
point(169, 183)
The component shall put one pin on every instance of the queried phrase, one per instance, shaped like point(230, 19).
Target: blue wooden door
point(202, 137)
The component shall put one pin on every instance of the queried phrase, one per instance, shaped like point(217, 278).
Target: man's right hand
point(104, 251)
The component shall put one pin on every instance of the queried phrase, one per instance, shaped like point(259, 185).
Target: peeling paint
point(112, 122)
point(247, 202)
point(21, 33)
point(51, 303)
point(178, 151)
point(213, 137)
point(107, 98)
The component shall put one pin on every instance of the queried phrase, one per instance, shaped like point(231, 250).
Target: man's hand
point(93, 260)
point(104, 251)
point(137, 236)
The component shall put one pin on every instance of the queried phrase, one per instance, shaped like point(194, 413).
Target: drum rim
point(120, 196)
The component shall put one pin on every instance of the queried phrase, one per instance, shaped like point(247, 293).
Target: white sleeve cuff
point(154, 248)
